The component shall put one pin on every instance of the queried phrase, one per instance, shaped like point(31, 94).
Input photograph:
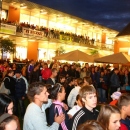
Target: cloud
point(107, 12)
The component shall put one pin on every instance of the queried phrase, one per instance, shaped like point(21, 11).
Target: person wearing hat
point(115, 96)
point(20, 92)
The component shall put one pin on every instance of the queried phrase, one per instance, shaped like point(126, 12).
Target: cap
point(116, 95)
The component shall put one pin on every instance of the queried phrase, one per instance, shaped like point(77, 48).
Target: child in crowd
point(110, 117)
point(76, 108)
point(115, 96)
point(58, 95)
point(88, 112)
point(124, 106)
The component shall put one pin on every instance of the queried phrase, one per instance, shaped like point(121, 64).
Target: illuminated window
point(21, 52)
point(24, 18)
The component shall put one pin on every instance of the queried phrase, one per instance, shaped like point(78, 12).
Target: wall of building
point(13, 14)
point(32, 52)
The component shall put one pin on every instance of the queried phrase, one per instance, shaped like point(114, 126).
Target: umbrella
point(75, 56)
point(118, 58)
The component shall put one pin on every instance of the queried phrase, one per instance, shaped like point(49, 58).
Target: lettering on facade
point(32, 33)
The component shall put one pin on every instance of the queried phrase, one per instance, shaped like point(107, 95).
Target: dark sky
point(114, 14)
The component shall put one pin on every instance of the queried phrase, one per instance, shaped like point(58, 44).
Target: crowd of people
point(53, 33)
point(64, 96)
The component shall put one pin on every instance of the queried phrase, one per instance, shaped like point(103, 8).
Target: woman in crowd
point(83, 72)
point(6, 106)
point(58, 94)
point(61, 80)
point(87, 81)
point(9, 83)
point(110, 117)
point(8, 122)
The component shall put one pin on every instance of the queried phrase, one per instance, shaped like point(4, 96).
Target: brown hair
point(88, 79)
point(86, 90)
point(35, 89)
point(91, 125)
point(7, 120)
point(124, 100)
point(80, 82)
point(105, 114)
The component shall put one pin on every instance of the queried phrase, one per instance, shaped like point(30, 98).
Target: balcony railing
point(53, 35)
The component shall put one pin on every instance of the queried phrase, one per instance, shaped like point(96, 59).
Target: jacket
point(82, 116)
point(20, 88)
point(57, 108)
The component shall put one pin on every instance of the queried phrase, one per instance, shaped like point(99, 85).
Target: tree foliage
point(7, 45)
point(60, 51)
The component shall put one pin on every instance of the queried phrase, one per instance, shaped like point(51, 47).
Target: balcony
point(46, 34)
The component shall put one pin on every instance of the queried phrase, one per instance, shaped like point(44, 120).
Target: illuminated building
point(35, 44)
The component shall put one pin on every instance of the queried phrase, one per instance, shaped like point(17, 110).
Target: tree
point(60, 51)
point(6, 45)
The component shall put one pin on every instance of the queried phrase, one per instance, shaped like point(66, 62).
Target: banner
point(8, 29)
point(32, 33)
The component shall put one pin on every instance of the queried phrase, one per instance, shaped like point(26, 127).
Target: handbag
point(3, 89)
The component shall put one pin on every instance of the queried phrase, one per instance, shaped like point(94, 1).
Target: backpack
point(3, 89)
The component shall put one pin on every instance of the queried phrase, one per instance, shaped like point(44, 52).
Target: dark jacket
point(9, 83)
point(115, 80)
point(20, 88)
point(50, 81)
point(34, 76)
point(82, 116)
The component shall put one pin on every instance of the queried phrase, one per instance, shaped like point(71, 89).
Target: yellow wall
point(120, 44)
point(32, 50)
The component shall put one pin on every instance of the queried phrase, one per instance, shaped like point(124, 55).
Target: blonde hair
point(105, 114)
point(86, 90)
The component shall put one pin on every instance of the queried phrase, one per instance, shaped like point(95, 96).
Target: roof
point(125, 31)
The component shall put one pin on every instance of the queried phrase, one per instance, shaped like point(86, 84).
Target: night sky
point(114, 14)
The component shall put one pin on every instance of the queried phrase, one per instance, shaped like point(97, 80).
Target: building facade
point(39, 32)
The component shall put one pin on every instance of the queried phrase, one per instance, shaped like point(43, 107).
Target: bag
point(3, 89)
point(104, 86)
